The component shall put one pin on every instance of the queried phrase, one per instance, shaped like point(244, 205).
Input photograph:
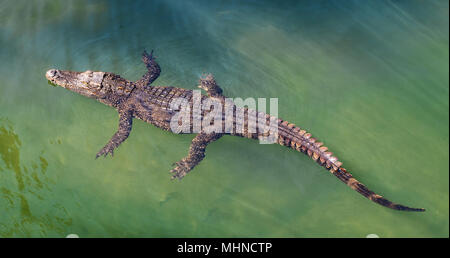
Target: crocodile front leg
point(196, 154)
point(125, 124)
point(153, 70)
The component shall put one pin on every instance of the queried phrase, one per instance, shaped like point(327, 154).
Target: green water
point(369, 78)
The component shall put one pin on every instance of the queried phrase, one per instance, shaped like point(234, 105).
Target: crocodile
point(151, 104)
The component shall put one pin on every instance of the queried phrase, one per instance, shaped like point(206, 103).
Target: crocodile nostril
point(51, 72)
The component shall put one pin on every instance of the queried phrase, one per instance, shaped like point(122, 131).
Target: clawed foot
point(207, 82)
point(181, 169)
point(147, 58)
point(108, 149)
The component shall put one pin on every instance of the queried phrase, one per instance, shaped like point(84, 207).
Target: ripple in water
point(22, 185)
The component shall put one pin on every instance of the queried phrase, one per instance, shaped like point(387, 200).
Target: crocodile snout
point(51, 74)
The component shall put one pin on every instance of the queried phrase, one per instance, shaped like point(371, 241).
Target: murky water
point(369, 79)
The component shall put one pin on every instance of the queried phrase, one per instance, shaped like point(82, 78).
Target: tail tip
point(405, 208)
point(384, 202)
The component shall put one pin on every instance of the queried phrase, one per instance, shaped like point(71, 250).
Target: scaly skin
point(151, 104)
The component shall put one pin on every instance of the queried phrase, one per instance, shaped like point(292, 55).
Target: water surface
point(370, 79)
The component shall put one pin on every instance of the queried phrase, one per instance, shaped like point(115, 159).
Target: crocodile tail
point(291, 136)
point(349, 180)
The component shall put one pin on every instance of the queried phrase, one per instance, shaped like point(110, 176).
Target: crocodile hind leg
point(208, 83)
point(196, 154)
point(153, 70)
point(125, 124)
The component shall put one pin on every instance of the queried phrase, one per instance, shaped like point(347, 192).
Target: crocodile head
point(87, 83)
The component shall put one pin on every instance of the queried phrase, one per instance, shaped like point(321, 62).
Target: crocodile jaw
point(87, 83)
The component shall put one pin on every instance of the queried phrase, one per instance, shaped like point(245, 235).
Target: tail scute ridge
point(301, 141)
